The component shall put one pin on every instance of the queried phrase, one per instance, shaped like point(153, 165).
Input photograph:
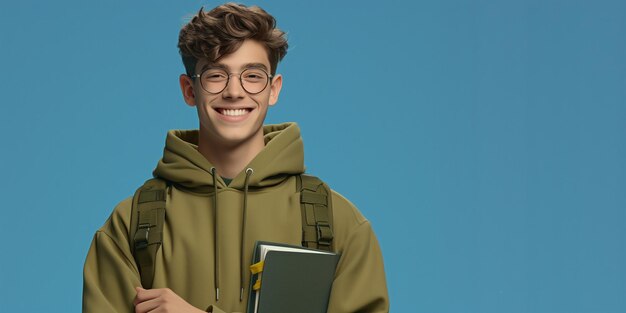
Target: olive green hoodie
point(203, 250)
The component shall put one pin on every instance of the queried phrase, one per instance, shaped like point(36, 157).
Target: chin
point(235, 136)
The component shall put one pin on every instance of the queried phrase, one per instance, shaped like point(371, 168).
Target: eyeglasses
point(253, 80)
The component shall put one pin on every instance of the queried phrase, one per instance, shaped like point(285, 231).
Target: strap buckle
point(324, 233)
point(141, 236)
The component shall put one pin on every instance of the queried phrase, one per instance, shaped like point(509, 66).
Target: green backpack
point(148, 216)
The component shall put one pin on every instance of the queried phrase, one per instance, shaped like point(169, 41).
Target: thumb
point(137, 300)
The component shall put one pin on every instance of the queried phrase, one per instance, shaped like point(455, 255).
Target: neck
point(229, 160)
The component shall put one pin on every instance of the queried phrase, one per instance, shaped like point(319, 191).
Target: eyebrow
point(226, 68)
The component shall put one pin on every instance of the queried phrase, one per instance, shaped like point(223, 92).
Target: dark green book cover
point(292, 282)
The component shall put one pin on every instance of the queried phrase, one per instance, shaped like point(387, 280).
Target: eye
point(214, 76)
point(254, 76)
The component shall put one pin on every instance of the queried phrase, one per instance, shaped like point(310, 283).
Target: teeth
point(237, 112)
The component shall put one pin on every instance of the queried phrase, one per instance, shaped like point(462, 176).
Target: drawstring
point(249, 172)
point(215, 242)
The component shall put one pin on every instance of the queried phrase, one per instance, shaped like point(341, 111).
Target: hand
point(161, 300)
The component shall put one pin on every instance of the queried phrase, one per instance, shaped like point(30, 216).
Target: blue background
point(485, 140)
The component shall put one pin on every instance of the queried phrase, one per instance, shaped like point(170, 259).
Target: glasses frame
point(269, 79)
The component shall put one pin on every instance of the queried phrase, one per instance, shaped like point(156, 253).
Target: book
point(293, 279)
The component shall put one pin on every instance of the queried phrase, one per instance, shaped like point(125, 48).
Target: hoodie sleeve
point(109, 277)
point(359, 284)
point(215, 309)
point(110, 274)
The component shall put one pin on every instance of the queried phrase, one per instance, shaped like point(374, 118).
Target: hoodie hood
point(184, 166)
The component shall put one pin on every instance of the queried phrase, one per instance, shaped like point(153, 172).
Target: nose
point(233, 90)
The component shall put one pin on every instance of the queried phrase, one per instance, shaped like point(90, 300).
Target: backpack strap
point(317, 213)
point(146, 227)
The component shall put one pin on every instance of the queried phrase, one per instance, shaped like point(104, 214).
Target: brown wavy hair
point(221, 31)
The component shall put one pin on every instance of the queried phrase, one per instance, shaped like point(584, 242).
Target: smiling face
point(233, 117)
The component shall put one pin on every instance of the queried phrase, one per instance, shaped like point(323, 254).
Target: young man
point(230, 183)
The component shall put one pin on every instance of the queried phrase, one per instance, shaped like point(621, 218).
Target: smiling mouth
point(233, 112)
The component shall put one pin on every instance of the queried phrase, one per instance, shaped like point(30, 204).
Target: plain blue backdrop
point(484, 140)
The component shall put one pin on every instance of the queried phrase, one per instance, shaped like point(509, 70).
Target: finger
point(147, 294)
point(147, 306)
point(136, 300)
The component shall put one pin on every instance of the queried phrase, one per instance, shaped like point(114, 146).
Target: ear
point(186, 87)
point(277, 83)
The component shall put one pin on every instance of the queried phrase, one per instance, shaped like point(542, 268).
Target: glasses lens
point(214, 81)
point(254, 80)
